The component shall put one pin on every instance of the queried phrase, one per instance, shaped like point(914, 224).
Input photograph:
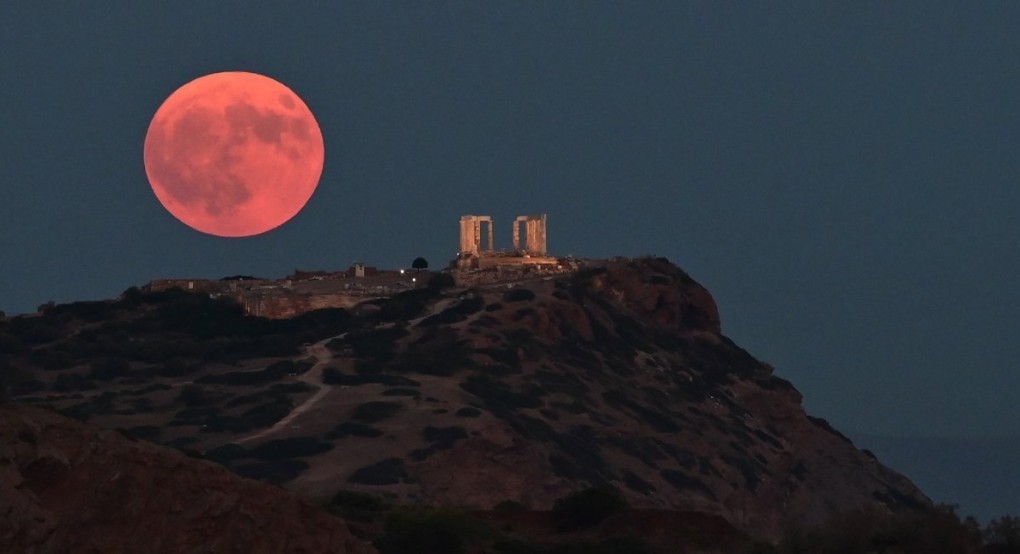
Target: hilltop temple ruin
point(532, 250)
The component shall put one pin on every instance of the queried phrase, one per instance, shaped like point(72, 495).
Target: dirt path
point(312, 377)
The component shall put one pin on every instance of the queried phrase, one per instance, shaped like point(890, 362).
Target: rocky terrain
point(617, 375)
point(69, 487)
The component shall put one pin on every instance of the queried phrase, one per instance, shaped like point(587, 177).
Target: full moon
point(233, 154)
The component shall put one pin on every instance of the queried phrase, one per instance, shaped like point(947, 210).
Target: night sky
point(842, 176)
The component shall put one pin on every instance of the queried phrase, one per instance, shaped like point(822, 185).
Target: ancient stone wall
point(282, 306)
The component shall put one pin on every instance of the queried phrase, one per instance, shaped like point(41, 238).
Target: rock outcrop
point(72, 487)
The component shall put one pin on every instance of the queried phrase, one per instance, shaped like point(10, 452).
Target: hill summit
point(615, 375)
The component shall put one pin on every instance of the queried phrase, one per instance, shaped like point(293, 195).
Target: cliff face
point(69, 487)
point(616, 375)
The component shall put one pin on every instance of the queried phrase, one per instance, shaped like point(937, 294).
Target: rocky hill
point(616, 375)
point(69, 487)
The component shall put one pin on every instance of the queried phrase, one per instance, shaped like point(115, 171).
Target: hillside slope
point(69, 487)
point(616, 375)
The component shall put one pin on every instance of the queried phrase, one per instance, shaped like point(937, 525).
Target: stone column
point(491, 233)
point(477, 235)
point(467, 235)
point(531, 235)
point(540, 243)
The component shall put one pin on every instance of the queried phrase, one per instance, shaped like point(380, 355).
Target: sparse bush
point(193, 395)
point(443, 438)
point(265, 415)
point(510, 506)
point(518, 295)
point(468, 411)
point(351, 429)
point(333, 376)
point(66, 382)
point(405, 305)
point(387, 472)
point(10, 344)
point(371, 412)
point(105, 369)
point(175, 367)
point(440, 352)
point(35, 333)
point(143, 432)
point(402, 392)
point(930, 531)
point(226, 453)
point(586, 508)
point(293, 447)
point(358, 506)
point(498, 394)
point(455, 313)
point(276, 472)
point(427, 531)
point(24, 386)
point(274, 372)
point(376, 344)
point(441, 281)
point(52, 358)
point(1004, 534)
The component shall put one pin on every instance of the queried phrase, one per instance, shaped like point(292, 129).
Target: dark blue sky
point(843, 176)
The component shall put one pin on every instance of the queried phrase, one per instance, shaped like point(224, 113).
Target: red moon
point(233, 154)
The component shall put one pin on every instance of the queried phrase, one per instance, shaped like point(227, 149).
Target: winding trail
point(312, 377)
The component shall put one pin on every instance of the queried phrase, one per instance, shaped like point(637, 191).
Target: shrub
point(371, 412)
point(510, 506)
point(468, 411)
point(276, 472)
point(498, 394)
point(405, 305)
point(439, 352)
point(586, 508)
point(21, 387)
point(351, 429)
point(376, 344)
point(105, 369)
point(10, 344)
point(293, 447)
point(427, 531)
point(143, 432)
point(441, 281)
point(71, 382)
point(681, 481)
point(444, 437)
point(387, 472)
point(36, 333)
point(518, 295)
point(292, 388)
point(175, 367)
point(226, 453)
point(932, 531)
point(52, 358)
point(274, 372)
point(193, 395)
point(333, 376)
point(401, 391)
point(455, 313)
point(357, 506)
